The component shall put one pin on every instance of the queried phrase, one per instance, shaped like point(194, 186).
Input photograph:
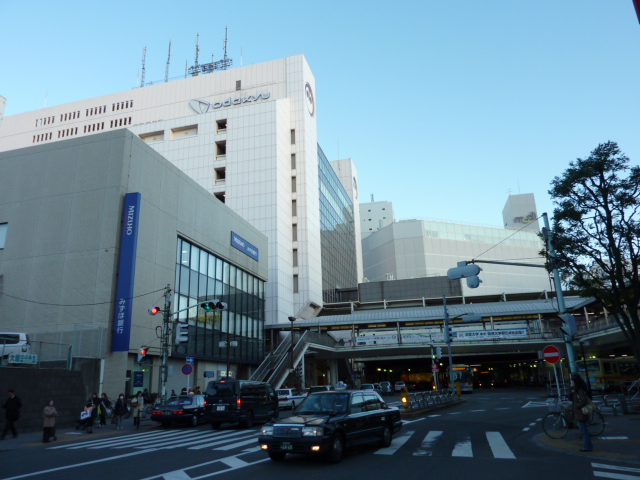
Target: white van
point(11, 342)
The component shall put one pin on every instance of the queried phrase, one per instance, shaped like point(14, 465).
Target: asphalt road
point(493, 434)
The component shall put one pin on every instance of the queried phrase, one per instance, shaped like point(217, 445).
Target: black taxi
point(187, 409)
point(328, 422)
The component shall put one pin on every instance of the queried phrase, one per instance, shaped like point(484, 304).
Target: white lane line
point(228, 469)
point(253, 440)
point(157, 443)
point(532, 424)
point(499, 446)
point(66, 467)
point(617, 476)
point(482, 410)
point(454, 413)
point(396, 443)
point(234, 462)
point(407, 422)
point(463, 448)
point(503, 408)
point(426, 447)
point(615, 467)
point(220, 442)
point(526, 429)
point(435, 415)
point(176, 475)
point(207, 439)
point(103, 441)
point(613, 438)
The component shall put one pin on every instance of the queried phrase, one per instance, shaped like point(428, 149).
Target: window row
point(96, 110)
point(119, 122)
point(42, 137)
point(45, 121)
point(69, 116)
point(94, 127)
point(121, 105)
point(67, 132)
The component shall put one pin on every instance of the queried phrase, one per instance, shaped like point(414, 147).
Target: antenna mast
point(166, 73)
point(213, 66)
point(144, 57)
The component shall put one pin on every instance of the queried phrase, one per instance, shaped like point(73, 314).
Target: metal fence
point(432, 398)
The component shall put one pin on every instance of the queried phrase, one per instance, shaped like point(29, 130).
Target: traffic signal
point(404, 394)
point(142, 354)
point(466, 270)
point(569, 326)
point(299, 370)
point(448, 333)
point(439, 353)
point(210, 305)
point(182, 333)
point(154, 310)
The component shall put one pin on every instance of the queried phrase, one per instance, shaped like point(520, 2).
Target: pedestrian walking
point(12, 406)
point(138, 405)
point(580, 397)
point(120, 410)
point(49, 427)
point(106, 409)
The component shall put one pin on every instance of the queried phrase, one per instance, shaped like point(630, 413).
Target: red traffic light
point(153, 310)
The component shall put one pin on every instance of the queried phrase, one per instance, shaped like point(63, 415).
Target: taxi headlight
point(312, 431)
point(267, 430)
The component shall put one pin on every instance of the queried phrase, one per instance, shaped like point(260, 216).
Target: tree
point(596, 233)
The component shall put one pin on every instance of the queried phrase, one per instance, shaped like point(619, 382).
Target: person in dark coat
point(580, 397)
point(120, 410)
point(12, 406)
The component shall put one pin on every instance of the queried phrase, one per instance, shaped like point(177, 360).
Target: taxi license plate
point(220, 408)
point(286, 446)
point(167, 412)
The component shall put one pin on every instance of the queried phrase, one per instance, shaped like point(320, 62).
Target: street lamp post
point(293, 376)
point(228, 345)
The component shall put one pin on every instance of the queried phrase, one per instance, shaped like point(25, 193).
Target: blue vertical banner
point(126, 273)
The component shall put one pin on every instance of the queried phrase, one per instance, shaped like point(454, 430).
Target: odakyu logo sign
point(200, 106)
point(311, 102)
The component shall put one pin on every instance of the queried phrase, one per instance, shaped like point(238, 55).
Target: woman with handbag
point(120, 410)
point(581, 398)
point(105, 409)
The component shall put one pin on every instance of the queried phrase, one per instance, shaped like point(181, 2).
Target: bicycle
point(557, 424)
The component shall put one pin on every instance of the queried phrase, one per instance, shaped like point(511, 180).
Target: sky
point(446, 107)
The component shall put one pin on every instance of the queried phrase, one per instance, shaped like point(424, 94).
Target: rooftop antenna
point(144, 57)
point(226, 42)
point(166, 73)
point(186, 68)
point(372, 200)
point(196, 68)
point(213, 66)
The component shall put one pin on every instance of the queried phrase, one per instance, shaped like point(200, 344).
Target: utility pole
point(568, 339)
point(164, 340)
point(448, 340)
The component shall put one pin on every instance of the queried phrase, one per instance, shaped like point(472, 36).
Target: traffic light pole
point(568, 339)
point(164, 340)
point(448, 338)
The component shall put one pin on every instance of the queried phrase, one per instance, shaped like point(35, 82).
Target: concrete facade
point(62, 204)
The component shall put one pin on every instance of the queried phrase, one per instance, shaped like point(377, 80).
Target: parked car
point(371, 386)
point(289, 397)
point(398, 386)
point(188, 409)
point(328, 422)
point(319, 388)
point(386, 388)
point(240, 401)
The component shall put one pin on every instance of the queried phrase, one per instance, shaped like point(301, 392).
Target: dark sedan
point(328, 422)
point(181, 409)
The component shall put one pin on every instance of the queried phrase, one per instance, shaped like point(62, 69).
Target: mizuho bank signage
point(245, 247)
point(200, 106)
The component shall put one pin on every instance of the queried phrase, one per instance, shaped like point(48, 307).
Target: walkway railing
point(432, 398)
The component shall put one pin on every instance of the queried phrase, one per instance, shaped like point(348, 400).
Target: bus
point(463, 373)
point(609, 374)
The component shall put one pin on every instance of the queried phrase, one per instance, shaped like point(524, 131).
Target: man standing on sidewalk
point(12, 406)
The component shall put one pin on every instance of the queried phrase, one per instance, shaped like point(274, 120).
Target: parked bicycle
point(557, 424)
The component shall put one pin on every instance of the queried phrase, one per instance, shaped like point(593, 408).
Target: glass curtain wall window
point(200, 276)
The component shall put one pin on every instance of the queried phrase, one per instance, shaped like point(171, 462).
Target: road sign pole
point(446, 326)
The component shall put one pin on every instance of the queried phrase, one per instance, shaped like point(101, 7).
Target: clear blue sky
point(445, 106)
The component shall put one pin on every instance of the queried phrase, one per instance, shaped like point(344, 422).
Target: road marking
point(406, 422)
point(253, 440)
point(503, 408)
point(526, 429)
point(617, 476)
point(396, 443)
point(66, 467)
point(426, 447)
point(177, 475)
point(615, 467)
point(463, 448)
point(219, 438)
point(499, 446)
point(221, 441)
point(435, 415)
point(454, 413)
point(535, 405)
point(482, 410)
point(613, 438)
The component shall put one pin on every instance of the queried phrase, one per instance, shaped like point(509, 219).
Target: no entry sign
point(551, 354)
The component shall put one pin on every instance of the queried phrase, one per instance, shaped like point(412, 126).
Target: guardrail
point(432, 398)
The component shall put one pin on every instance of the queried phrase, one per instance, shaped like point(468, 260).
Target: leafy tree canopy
point(596, 232)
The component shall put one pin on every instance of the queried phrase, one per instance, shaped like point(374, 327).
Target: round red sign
point(551, 354)
point(187, 369)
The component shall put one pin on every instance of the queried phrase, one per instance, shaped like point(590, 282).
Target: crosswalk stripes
point(616, 473)
point(461, 443)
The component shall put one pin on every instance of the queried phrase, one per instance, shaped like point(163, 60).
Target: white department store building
point(247, 135)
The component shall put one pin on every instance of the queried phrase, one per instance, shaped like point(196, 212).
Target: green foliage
point(596, 232)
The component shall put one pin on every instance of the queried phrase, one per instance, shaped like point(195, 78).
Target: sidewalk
point(619, 441)
point(34, 439)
